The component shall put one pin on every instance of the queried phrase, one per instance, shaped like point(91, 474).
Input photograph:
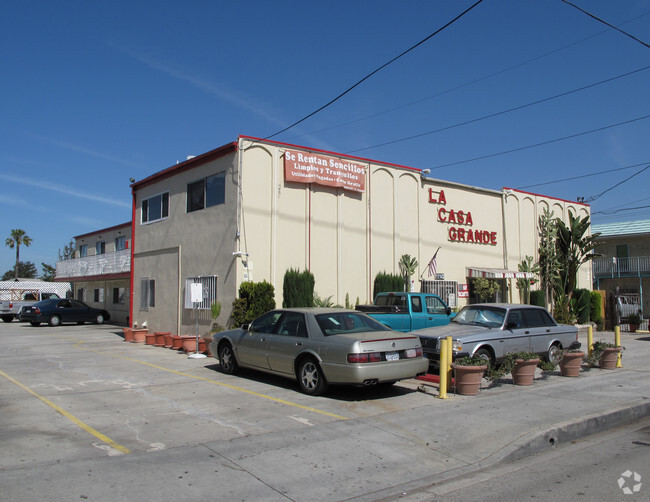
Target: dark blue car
point(58, 310)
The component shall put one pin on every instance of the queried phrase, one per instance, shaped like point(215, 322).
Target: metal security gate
point(209, 283)
point(447, 290)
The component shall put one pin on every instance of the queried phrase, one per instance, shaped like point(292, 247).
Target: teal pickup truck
point(408, 311)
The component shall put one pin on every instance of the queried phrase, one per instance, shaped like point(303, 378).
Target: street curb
point(526, 445)
point(570, 430)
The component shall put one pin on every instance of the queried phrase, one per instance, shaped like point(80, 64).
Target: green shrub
point(387, 283)
point(581, 305)
point(298, 289)
point(537, 298)
point(254, 300)
point(595, 307)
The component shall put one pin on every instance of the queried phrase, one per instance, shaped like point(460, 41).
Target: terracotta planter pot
point(609, 358)
point(139, 335)
point(177, 342)
point(160, 338)
point(150, 339)
point(189, 343)
point(633, 328)
point(571, 363)
point(168, 340)
point(468, 379)
point(128, 334)
point(524, 371)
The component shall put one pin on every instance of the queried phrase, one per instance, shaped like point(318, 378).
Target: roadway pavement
point(249, 437)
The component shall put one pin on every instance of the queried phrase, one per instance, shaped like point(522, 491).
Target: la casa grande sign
point(458, 217)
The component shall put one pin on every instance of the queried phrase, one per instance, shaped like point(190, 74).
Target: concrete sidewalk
point(396, 454)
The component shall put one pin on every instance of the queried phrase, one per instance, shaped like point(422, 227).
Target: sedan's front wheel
point(227, 359)
point(311, 378)
point(99, 319)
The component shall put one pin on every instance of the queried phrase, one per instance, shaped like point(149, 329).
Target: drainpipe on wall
point(132, 273)
point(505, 194)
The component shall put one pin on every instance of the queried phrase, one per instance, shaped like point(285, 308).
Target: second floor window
point(100, 247)
point(207, 192)
point(120, 243)
point(83, 251)
point(155, 208)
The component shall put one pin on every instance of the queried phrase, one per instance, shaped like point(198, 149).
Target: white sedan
point(321, 346)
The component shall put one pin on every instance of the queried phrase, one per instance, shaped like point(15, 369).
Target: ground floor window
point(98, 296)
point(208, 290)
point(119, 296)
point(147, 293)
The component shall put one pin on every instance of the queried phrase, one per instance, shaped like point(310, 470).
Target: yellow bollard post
point(590, 339)
point(450, 359)
point(442, 391)
point(617, 342)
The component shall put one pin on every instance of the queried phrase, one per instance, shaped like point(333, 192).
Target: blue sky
point(96, 93)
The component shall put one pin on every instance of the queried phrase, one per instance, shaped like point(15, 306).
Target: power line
point(572, 178)
point(466, 84)
point(594, 197)
point(606, 23)
point(584, 133)
point(375, 71)
point(503, 112)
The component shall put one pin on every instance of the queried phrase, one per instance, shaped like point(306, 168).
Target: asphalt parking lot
point(78, 403)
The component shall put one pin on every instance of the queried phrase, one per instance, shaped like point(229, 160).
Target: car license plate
point(392, 356)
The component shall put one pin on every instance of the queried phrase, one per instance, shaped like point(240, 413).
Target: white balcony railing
point(102, 264)
point(621, 267)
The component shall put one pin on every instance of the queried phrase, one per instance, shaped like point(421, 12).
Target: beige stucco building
point(252, 209)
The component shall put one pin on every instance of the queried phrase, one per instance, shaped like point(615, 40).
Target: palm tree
point(18, 238)
point(407, 266)
point(574, 248)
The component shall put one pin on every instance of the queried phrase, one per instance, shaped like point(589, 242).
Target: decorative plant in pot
point(521, 365)
point(604, 354)
point(569, 360)
point(469, 372)
point(634, 321)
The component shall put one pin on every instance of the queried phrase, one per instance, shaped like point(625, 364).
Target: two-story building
point(624, 262)
point(100, 271)
point(252, 209)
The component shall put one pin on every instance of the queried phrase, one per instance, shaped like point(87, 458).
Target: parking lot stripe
point(69, 416)
point(222, 384)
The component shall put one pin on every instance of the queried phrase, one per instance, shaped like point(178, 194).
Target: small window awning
point(497, 273)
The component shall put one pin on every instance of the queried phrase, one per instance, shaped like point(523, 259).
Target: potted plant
point(569, 360)
point(604, 354)
point(468, 373)
point(634, 321)
point(521, 365)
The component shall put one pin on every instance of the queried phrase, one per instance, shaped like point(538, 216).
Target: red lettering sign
point(305, 167)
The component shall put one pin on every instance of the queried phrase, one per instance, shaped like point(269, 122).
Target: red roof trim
point(188, 164)
point(327, 152)
point(109, 229)
point(548, 197)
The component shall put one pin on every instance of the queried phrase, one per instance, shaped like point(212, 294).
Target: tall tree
point(18, 238)
point(49, 272)
point(68, 251)
point(548, 260)
point(26, 270)
point(573, 248)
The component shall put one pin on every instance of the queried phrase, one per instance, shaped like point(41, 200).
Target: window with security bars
point(209, 289)
point(447, 290)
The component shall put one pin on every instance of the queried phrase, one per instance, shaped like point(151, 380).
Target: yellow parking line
point(234, 387)
point(69, 416)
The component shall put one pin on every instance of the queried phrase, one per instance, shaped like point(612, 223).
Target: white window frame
point(209, 283)
point(148, 199)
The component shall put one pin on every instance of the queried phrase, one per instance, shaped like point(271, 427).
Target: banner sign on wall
point(304, 167)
